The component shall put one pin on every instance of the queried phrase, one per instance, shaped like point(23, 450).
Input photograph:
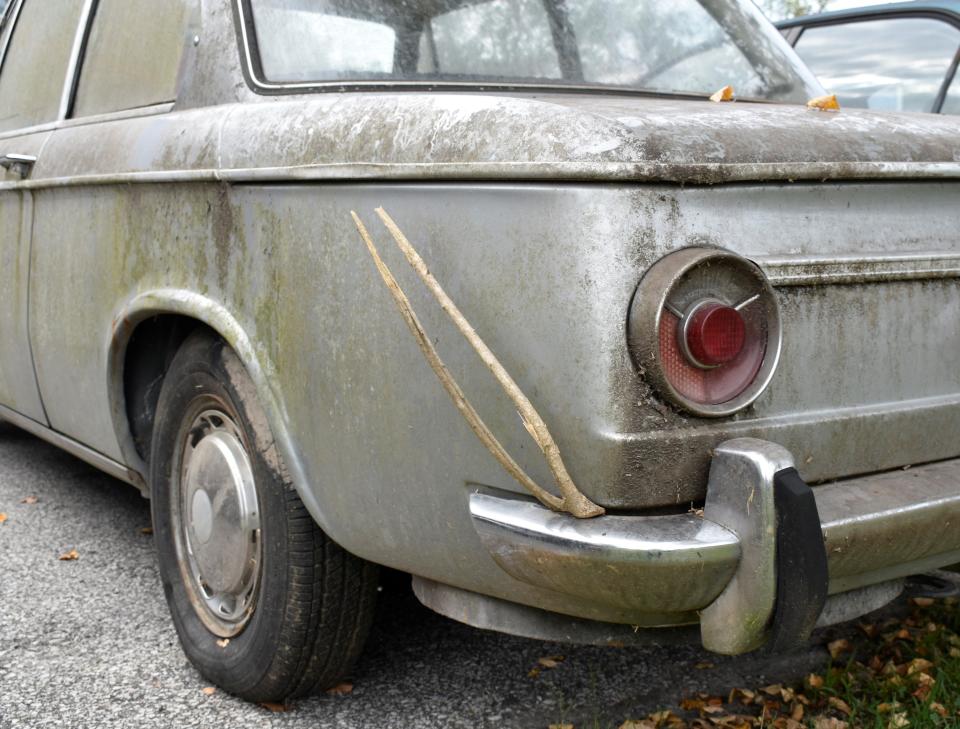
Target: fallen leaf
point(814, 680)
point(274, 707)
point(533, 672)
point(923, 601)
point(797, 713)
point(210, 690)
point(29, 500)
point(724, 94)
point(746, 696)
point(550, 661)
point(223, 642)
point(939, 708)
point(772, 690)
point(341, 689)
point(824, 103)
point(836, 647)
point(897, 721)
point(918, 665)
point(840, 705)
point(692, 704)
point(634, 724)
point(703, 665)
point(903, 634)
point(3, 517)
point(146, 530)
point(886, 708)
point(829, 722)
point(69, 556)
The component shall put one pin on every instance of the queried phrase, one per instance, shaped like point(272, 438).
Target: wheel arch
point(179, 312)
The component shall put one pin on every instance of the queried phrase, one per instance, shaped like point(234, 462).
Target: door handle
point(18, 164)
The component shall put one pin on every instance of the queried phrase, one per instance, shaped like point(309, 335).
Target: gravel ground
point(88, 643)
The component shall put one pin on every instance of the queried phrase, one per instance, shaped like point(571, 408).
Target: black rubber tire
point(315, 601)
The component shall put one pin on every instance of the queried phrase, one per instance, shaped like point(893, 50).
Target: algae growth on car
point(735, 321)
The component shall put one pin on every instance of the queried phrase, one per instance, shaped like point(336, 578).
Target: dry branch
point(573, 500)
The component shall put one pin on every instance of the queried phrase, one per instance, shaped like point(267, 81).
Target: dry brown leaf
point(550, 661)
point(840, 705)
point(146, 530)
point(692, 704)
point(902, 634)
point(829, 722)
point(341, 689)
point(815, 681)
point(724, 94)
point(772, 689)
point(923, 601)
point(223, 642)
point(533, 672)
point(746, 696)
point(561, 726)
point(209, 690)
point(69, 556)
point(274, 707)
point(886, 708)
point(29, 500)
point(641, 724)
point(921, 693)
point(939, 708)
point(797, 713)
point(918, 665)
point(836, 647)
point(897, 721)
point(824, 103)
point(3, 517)
point(703, 665)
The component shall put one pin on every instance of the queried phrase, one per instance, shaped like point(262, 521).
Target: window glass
point(951, 105)
point(893, 64)
point(317, 39)
point(133, 55)
point(694, 46)
point(523, 48)
point(34, 70)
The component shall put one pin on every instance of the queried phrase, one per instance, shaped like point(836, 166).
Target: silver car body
point(540, 213)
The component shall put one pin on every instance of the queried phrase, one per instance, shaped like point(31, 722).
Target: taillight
point(705, 329)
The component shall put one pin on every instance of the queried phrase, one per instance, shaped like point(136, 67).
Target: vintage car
point(490, 292)
point(893, 57)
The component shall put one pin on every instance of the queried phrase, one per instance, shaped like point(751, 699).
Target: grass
point(901, 671)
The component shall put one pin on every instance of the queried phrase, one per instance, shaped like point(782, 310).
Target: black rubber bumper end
point(801, 560)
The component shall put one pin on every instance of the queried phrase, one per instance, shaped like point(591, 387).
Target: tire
point(266, 606)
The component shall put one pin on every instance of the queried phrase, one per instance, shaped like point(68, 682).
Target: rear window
point(684, 46)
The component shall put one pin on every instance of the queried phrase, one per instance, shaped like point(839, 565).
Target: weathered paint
point(552, 209)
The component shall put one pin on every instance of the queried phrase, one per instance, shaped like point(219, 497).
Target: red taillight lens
point(715, 334)
point(728, 352)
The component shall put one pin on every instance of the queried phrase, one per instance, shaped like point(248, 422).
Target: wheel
point(266, 606)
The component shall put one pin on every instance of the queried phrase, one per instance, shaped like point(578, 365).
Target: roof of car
point(945, 7)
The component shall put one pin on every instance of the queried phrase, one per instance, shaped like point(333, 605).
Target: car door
point(35, 50)
point(117, 129)
point(901, 62)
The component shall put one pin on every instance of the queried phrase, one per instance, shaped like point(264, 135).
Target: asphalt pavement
point(88, 642)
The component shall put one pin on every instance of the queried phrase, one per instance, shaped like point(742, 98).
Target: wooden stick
point(573, 501)
point(449, 384)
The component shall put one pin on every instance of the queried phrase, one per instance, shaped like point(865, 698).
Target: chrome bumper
point(722, 565)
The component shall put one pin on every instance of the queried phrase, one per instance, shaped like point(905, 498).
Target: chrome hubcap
point(218, 524)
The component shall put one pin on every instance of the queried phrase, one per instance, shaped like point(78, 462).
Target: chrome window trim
point(10, 18)
point(135, 113)
point(73, 65)
point(244, 22)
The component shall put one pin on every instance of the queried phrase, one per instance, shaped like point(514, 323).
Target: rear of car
point(735, 321)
